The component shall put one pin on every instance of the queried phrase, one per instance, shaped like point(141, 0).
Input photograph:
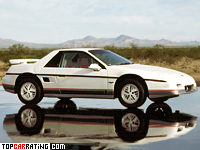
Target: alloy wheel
point(28, 91)
point(130, 93)
point(28, 118)
point(130, 122)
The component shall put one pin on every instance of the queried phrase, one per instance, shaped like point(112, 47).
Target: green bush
point(19, 51)
point(158, 53)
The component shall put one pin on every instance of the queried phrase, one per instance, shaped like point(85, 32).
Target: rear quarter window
point(55, 61)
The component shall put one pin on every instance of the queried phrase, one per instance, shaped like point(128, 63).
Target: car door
point(76, 79)
point(47, 76)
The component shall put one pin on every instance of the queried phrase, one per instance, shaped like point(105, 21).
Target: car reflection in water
point(100, 127)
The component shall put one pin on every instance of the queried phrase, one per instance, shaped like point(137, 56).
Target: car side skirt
point(80, 96)
point(79, 93)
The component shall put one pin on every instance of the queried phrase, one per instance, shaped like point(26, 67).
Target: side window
point(76, 60)
point(69, 60)
point(55, 61)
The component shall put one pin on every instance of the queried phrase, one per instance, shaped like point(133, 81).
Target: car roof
point(80, 49)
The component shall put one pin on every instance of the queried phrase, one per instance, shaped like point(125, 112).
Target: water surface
point(189, 103)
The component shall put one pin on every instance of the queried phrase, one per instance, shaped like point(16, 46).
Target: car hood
point(150, 72)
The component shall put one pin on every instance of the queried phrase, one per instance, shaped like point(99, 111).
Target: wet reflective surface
point(104, 124)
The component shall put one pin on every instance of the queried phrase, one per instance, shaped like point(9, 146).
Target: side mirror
point(95, 67)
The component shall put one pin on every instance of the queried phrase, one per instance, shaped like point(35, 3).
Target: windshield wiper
point(126, 63)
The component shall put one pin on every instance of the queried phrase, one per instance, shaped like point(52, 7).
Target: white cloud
point(61, 20)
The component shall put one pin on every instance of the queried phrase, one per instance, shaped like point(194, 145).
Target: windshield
point(110, 58)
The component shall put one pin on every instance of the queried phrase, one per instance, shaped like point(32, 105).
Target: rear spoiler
point(22, 61)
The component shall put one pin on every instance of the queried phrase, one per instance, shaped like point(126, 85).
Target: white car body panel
point(160, 82)
point(48, 73)
point(80, 75)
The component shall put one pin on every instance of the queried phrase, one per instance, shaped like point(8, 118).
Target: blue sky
point(56, 21)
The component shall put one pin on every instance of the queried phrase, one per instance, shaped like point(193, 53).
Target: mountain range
point(120, 41)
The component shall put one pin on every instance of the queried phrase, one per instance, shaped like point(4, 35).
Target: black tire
point(131, 125)
point(29, 119)
point(65, 104)
point(35, 97)
point(159, 100)
point(140, 96)
point(159, 111)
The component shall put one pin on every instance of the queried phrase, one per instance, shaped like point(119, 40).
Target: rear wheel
point(29, 119)
point(65, 104)
point(29, 91)
point(131, 93)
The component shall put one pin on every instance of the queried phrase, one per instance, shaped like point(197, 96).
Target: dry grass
point(3, 68)
point(186, 65)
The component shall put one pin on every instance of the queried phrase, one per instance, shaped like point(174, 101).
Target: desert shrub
point(19, 51)
point(158, 53)
point(193, 52)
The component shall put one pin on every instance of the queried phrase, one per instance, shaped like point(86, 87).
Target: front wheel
point(131, 93)
point(29, 91)
point(158, 111)
point(131, 125)
point(159, 100)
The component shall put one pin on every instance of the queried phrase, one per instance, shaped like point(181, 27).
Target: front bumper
point(169, 93)
point(170, 89)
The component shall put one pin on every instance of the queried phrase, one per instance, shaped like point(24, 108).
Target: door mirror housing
point(95, 67)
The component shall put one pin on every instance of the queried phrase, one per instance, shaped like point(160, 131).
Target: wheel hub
point(28, 118)
point(130, 93)
point(130, 122)
point(28, 91)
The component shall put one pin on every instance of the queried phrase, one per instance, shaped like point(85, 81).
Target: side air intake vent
point(46, 79)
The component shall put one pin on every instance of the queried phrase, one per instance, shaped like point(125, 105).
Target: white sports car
point(93, 73)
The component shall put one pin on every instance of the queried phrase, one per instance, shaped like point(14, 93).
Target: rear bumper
point(9, 88)
point(8, 82)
